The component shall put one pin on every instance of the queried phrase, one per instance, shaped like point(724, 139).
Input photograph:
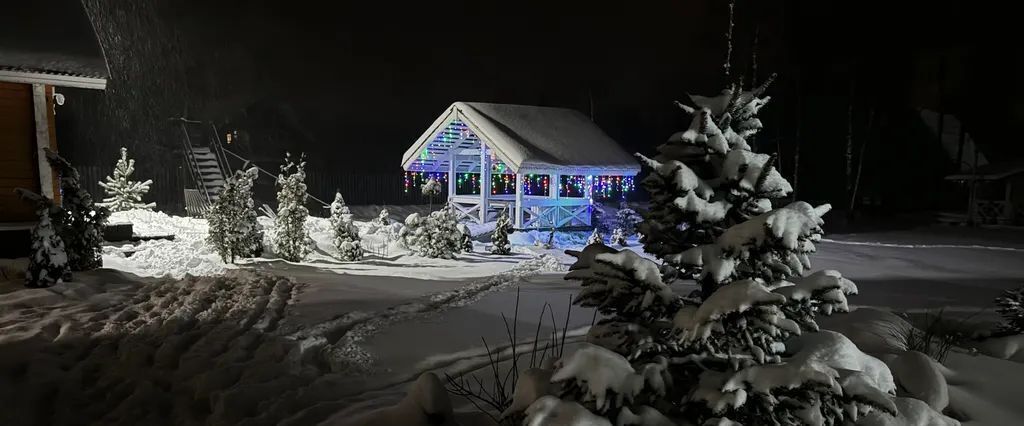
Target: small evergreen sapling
point(1011, 307)
point(291, 240)
point(430, 189)
point(618, 238)
point(81, 221)
point(234, 231)
point(499, 240)
point(48, 260)
point(346, 234)
point(595, 237)
point(467, 238)
point(122, 192)
point(627, 220)
point(384, 218)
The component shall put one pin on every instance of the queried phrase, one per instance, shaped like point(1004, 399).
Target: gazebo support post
point(452, 156)
point(485, 183)
point(519, 201)
point(553, 187)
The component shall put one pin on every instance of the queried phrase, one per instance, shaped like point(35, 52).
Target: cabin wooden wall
point(18, 162)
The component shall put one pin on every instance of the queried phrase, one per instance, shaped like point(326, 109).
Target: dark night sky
point(354, 83)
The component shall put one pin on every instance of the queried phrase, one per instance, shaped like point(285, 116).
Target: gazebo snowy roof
point(527, 139)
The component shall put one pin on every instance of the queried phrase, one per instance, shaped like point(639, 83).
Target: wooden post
point(519, 201)
point(588, 191)
point(452, 156)
point(485, 182)
point(42, 110)
point(553, 193)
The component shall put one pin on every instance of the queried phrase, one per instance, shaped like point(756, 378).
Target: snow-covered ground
point(275, 342)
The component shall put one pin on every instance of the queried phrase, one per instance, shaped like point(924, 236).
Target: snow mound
point(148, 223)
point(603, 375)
point(838, 352)
point(551, 411)
point(426, 404)
point(911, 412)
point(919, 377)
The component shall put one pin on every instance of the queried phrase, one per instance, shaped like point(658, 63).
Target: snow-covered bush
point(346, 234)
point(47, 261)
point(80, 223)
point(291, 241)
point(722, 357)
point(595, 237)
point(437, 235)
point(499, 239)
point(122, 192)
point(234, 231)
point(618, 237)
point(1011, 307)
point(627, 220)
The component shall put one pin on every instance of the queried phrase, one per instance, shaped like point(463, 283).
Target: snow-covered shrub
point(1011, 307)
point(80, 223)
point(291, 241)
point(618, 237)
point(467, 238)
point(595, 237)
point(122, 192)
point(499, 240)
point(234, 232)
point(722, 357)
point(436, 235)
point(627, 220)
point(47, 261)
point(346, 234)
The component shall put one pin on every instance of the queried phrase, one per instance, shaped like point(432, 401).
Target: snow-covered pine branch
point(122, 192)
point(234, 231)
point(291, 241)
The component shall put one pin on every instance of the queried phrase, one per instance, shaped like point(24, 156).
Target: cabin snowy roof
point(527, 139)
point(50, 42)
point(993, 171)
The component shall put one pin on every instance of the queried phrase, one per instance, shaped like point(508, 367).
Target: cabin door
point(18, 162)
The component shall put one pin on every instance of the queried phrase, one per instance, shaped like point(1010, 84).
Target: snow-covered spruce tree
point(595, 237)
point(48, 260)
point(618, 237)
point(122, 192)
point(80, 223)
point(234, 231)
point(1011, 307)
point(346, 234)
point(384, 218)
point(627, 220)
point(467, 238)
point(721, 358)
point(436, 235)
point(705, 179)
point(499, 239)
point(291, 241)
point(410, 233)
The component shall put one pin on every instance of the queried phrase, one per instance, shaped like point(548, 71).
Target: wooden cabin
point(996, 193)
point(44, 45)
point(547, 165)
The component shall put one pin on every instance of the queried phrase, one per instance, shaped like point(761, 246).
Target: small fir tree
point(384, 218)
point(81, 221)
point(234, 231)
point(430, 189)
point(618, 238)
point(48, 260)
point(467, 238)
point(627, 219)
point(499, 240)
point(291, 240)
point(122, 192)
point(346, 234)
point(442, 238)
point(1011, 307)
point(595, 237)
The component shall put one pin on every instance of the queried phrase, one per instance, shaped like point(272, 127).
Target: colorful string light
point(417, 179)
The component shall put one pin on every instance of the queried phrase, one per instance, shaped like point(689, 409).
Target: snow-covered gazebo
point(546, 164)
